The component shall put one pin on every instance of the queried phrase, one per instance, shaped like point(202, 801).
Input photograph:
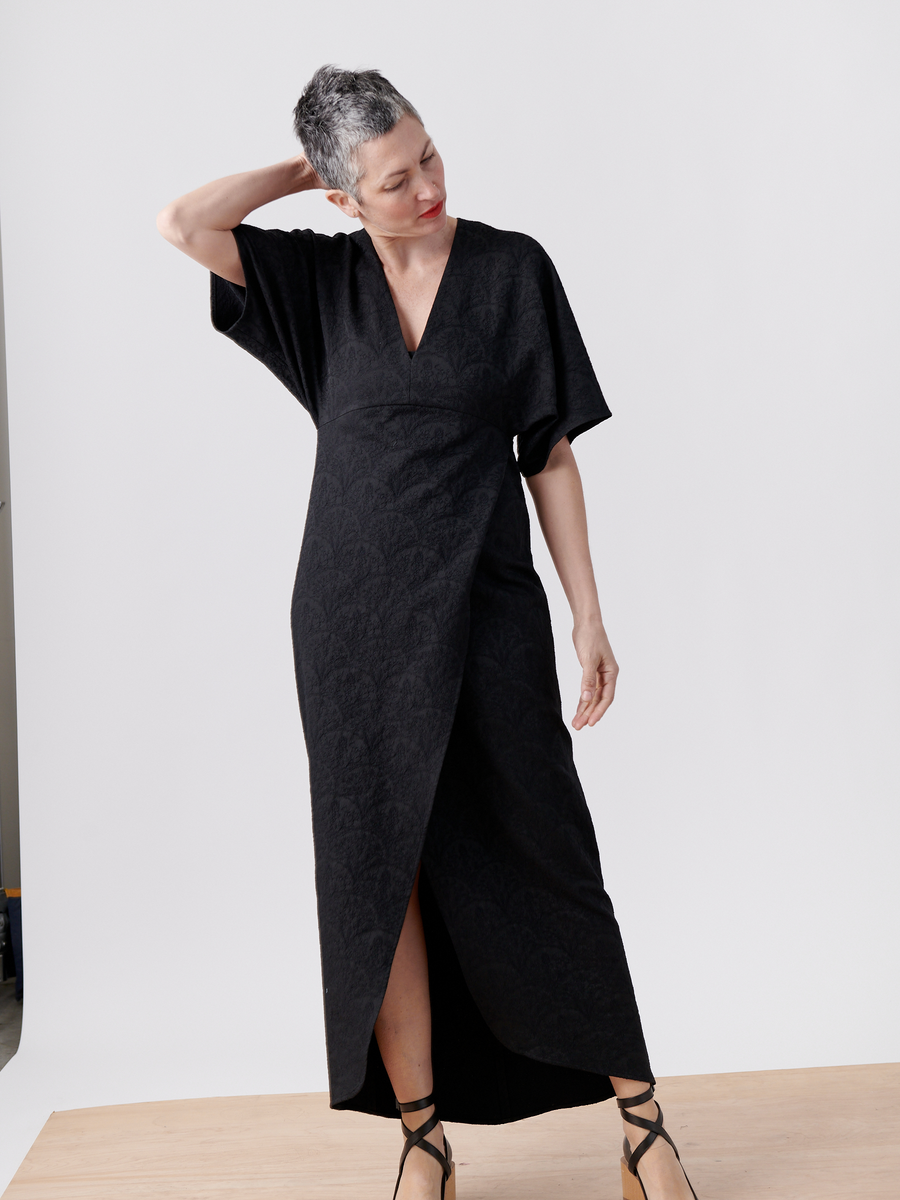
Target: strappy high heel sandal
point(416, 1137)
point(631, 1158)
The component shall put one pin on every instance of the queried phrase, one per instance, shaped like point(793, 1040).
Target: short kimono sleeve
point(563, 397)
point(275, 316)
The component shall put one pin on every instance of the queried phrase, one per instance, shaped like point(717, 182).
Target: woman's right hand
point(308, 174)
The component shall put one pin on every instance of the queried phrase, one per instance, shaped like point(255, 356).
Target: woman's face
point(402, 187)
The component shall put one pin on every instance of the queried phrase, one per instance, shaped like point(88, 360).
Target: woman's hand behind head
point(308, 175)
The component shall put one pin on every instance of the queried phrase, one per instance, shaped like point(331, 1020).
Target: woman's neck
point(400, 254)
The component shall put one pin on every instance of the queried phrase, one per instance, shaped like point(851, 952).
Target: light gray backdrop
point(718, 186)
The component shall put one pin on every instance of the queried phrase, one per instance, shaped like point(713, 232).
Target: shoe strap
point(416, 1137)
point(413, 1139)
point(654, 1130)
point(633, 1101)
point(414, 1105)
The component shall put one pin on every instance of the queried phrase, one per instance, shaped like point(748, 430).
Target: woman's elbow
point(170, 227)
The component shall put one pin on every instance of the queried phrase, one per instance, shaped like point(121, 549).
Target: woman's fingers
point(604, 697)
point(598, 689)
point(598, 672)
point(590, 686)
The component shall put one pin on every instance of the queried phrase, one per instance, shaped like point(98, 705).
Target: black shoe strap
point(415, 1105)
point(416, 1137)
point(633, 1101)
point(654, 1130)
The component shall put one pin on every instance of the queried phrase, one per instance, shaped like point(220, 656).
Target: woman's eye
point(402, 181)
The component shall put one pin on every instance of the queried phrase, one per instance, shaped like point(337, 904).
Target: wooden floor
point(830, 1133)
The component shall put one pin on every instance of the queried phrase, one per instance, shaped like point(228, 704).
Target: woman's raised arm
point(559, 502)
point(200, 223)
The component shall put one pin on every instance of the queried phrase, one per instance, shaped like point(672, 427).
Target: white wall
point(718, 185)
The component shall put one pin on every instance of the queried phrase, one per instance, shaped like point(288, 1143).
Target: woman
point(468, 944)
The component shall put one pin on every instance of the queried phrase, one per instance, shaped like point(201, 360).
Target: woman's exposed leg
point(659, 1169)
point(403, 1033)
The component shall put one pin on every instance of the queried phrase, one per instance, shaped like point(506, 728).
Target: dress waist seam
point(412, 404)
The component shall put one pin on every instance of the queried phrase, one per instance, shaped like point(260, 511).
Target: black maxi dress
point(425, 667)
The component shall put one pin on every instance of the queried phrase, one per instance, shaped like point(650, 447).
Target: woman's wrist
point(266, 184)
point(590, 615)
point(301, 177)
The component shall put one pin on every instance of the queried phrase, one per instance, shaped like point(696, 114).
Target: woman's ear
point(345, 203)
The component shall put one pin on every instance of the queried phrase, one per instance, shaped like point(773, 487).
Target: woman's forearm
point(559, 502)
point(224, 203)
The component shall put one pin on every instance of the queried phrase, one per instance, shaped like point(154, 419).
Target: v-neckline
point(411, 354)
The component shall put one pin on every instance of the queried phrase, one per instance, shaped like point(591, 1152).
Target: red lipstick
point(432, 212)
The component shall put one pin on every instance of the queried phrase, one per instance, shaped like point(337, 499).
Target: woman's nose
point(427, 189)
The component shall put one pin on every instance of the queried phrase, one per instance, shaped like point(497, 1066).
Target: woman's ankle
point(418, 1116)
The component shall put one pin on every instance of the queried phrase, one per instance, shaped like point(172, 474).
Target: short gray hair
point(338, 111)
